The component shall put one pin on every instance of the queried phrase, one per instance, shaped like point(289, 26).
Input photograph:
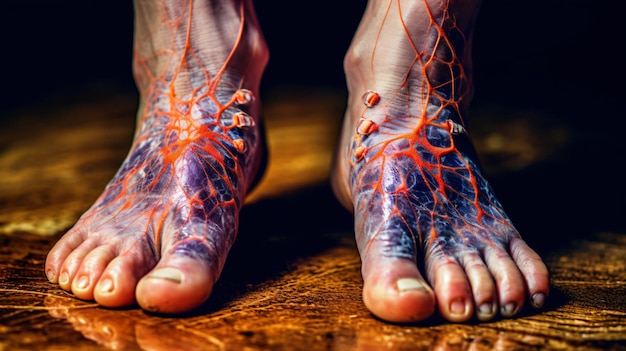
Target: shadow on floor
point(275, 233)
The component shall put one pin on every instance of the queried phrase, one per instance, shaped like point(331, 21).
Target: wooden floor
point(292, 281)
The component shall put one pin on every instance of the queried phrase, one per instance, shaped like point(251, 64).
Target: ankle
point(414, 50)
point(186, 49)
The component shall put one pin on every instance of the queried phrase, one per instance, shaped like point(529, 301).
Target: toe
point(454, 294)
point(394, 290)
point(533, 270)
point(72, 264)
point(483, 286)
point(509, 280)
point(89, 272)
point(176, 285)
point(116, 285)
point(59, 253)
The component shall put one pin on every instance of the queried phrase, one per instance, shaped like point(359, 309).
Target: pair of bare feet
point(160, 232)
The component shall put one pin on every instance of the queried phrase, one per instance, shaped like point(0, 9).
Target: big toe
point(394, 290)
point(175, 285)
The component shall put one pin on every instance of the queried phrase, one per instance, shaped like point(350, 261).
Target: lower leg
point(160, 232)
point(407, 169)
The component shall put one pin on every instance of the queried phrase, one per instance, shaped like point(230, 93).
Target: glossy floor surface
point(292, 281)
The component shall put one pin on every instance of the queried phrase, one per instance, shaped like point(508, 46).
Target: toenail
point(486, 309)
point(509, 309)
point(457, 307)
point(106, 286)
point(171, 274)
point(64, 278)
point(407, 284)
point(50, 275)
point(82, 282)
point(538, 300)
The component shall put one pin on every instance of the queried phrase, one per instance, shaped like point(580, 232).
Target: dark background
point(558, 54)
point(562, 58)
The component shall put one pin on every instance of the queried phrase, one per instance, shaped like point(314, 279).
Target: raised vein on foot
point(410, 176)
point(160, 232)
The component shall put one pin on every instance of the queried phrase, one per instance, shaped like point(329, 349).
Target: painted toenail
point(171, 274)
point(64, 278)
point(509, 309)
point(106, 286)
point(82, 283)
point(539, 299)
point(457, 307)
point(407, 284)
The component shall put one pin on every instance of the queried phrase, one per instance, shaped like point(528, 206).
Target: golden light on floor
point(293, 280)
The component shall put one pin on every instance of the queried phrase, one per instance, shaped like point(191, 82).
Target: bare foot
point(407, 169)
point(160, 232)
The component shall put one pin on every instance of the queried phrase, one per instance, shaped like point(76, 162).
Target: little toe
point(509, 281)
point(394, 290)
point(483, 286)
point(59, 253)
point(533, 270)
point(177, 284)
point(454, 294)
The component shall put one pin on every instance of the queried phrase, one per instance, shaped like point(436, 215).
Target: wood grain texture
point(292, 281)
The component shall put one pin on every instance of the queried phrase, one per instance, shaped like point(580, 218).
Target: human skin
point(160, 232)
point(412, 178)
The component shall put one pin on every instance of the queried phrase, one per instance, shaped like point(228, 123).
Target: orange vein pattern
point(186, 171)
point(414, 184)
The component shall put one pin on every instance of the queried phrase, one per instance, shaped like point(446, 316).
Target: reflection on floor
point(293, 281)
